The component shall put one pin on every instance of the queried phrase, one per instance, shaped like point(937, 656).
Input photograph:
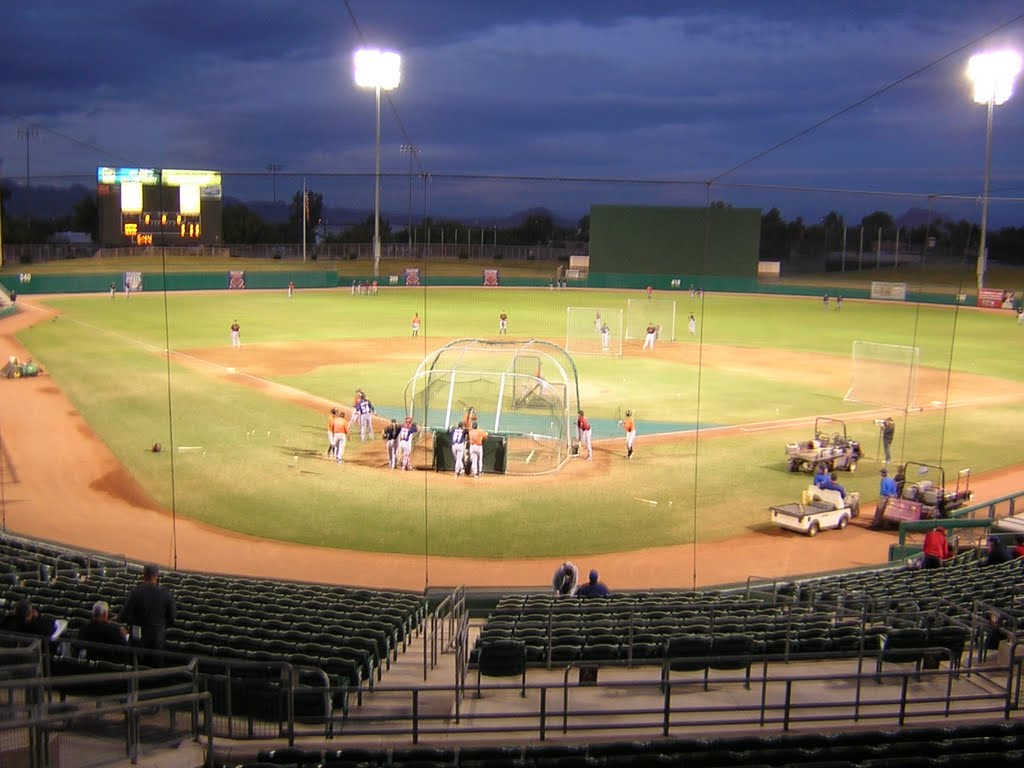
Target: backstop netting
point(593, 330)
point(526, 391)
point(884, 374)
point(643, 312)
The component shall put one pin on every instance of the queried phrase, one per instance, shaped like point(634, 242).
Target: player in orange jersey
point(629, 424)
point(476, 449)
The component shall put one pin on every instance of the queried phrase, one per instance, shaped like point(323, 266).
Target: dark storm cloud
point(656, 90)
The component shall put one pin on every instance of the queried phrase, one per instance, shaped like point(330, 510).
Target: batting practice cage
point(524, 394)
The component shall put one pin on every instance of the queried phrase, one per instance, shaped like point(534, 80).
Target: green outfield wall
point(663, 240)
point(665, 285)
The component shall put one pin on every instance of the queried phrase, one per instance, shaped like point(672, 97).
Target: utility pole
point(413, 151)
point(28, 133)
point(274, 168)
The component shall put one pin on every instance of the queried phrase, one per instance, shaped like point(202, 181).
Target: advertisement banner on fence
point(491, 278)
point(132, 282)
point(412, 276)
point(236, 280)
point(889, 291)
point(995, 298)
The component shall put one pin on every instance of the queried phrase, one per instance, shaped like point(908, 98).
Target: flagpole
point(305, 215)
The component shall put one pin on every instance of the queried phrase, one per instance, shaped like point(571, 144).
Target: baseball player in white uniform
point(366, 412)
point(405, 436)
point(652, 334)
point(459, 438)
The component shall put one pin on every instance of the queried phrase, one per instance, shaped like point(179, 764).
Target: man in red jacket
point(936, 547)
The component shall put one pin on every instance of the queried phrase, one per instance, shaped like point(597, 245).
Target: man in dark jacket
point(101, 629)
point(151, 608)
point(27, 620)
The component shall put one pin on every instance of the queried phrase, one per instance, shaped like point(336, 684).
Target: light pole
point(274, 168)
point(380, 70)
point(992, 75)
point(412, 150)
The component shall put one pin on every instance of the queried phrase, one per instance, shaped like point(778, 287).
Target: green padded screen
point(669, 240)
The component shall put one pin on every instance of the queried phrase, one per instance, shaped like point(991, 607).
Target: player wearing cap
point(459, 438)
point(340, 438)
point(629, 424)
point(355, 407)
point(503, 323)
point(366, 412)
point(583, 435)
point(405, 437)
point(330, 432)
point(652, 335)
point(391, 441)
point(476, 449)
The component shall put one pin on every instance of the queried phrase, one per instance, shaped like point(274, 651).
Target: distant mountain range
point(56, 202)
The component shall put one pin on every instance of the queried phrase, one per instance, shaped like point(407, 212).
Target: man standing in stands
point(391, 441)
point(936, 548)
point(476, 449)
point(151, 609)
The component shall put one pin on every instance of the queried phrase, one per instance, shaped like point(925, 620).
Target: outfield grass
point(106, 356)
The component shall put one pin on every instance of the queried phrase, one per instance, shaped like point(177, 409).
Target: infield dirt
point(61, 482)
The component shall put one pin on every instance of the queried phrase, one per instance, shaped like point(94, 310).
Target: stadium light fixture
point(992, 75)
point(380, 70)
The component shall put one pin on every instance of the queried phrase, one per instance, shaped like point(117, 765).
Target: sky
point(640, 101)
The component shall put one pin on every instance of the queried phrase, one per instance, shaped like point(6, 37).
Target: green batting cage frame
point(524, 391)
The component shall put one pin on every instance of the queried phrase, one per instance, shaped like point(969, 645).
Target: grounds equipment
point(922, 493)
point(817, 510)
point(15, 369)
point(830, 446)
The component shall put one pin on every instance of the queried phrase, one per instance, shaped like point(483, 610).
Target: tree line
point(781, 239)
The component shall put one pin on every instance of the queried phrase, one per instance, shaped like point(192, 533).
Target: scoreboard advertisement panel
point(158, 207)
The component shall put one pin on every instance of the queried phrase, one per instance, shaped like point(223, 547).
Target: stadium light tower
point(380, 70)
point(992, 75)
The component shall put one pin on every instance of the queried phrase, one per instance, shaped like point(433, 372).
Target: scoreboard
point(158, 207)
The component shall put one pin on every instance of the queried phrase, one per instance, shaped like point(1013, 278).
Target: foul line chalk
point(652, 502)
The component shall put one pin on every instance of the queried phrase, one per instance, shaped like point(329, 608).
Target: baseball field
point(243, 430)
